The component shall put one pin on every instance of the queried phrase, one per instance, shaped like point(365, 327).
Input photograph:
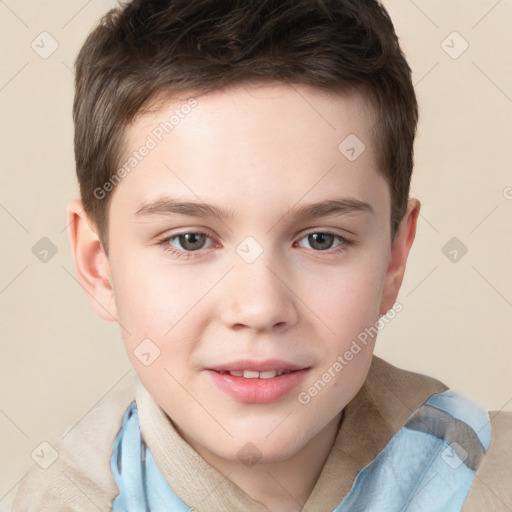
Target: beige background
point(58, 359)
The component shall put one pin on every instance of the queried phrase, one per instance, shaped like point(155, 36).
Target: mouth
point(253, 374)
point(257, 382)
point(253, 367)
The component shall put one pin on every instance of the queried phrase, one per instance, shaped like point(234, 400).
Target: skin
point(258, 151)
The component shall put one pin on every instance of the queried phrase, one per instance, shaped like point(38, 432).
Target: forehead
point(251, 142)
point(259, 106)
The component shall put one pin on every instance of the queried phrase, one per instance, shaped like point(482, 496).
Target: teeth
point(268, 375)
point(249, 374)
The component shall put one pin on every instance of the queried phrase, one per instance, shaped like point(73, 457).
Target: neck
point(284, 485)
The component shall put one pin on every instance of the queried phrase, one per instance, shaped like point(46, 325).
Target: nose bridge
point(256, 295)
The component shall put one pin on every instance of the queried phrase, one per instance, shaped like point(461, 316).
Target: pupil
point(320, 238)
point(188, 240)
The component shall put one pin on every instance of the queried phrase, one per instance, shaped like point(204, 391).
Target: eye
point(190, 242)
point(322, 241)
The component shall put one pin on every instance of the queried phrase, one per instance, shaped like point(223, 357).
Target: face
point(262, 282)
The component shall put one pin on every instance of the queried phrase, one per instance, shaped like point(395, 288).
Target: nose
point(258, 297)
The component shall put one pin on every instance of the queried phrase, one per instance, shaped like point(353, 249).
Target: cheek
point(347, 299)
point(148, 296)
point(143, 307)
point(164, 306)
point(348, 305)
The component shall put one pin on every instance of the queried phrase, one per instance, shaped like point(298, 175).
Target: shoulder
point(80, 478)
point(398, 392)
point(491, 488)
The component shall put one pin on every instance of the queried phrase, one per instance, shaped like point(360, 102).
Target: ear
point(400, 248)
point(91, 263)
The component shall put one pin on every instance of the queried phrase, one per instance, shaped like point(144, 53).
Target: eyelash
point(164, 243)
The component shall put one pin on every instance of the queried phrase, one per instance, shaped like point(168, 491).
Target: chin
point(269, 449)
point(251, 452)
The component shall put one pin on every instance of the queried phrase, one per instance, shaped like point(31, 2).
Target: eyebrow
point(329, 207)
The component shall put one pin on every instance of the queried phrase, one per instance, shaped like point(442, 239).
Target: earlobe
point(91, 263)
point(399, 252)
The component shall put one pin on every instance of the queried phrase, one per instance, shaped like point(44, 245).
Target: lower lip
point(257, 391)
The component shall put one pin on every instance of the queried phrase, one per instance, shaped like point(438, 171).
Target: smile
point(257, 382)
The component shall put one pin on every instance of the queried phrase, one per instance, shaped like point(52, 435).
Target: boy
point(244, 171)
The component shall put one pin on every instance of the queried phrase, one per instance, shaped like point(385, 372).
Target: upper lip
point(267, 365)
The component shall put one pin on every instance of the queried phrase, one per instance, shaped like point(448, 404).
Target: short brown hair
point(145, 48)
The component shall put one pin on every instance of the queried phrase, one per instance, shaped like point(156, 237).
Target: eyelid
point(329, 231)
point(171, 236)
